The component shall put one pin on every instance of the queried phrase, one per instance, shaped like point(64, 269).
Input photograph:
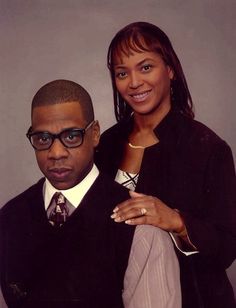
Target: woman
point(183, 171)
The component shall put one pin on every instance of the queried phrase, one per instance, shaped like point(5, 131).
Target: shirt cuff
point(179, 245)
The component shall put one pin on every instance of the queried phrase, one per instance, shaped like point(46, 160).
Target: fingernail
point(116, 209)
point(113, 215)
point(128, 222)
point(117, 219)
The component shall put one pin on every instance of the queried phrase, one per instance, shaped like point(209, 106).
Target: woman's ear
point(96, 133)
point(170, 73)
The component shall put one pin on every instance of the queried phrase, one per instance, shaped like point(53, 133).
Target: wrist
point(181, 230)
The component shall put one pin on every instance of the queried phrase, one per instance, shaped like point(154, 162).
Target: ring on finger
point(143, 211)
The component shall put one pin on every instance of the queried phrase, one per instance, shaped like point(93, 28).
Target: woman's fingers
point(128, 213)
point(139, 205)
point(138, 221)
point(134, 194)
point(143, 209)
point(133, 202)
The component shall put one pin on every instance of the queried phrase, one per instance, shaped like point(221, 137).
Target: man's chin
point(62, 185)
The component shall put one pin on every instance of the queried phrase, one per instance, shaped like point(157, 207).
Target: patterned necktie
point(57, 215)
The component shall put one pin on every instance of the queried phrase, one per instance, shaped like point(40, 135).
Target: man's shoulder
point(106, 185)
point(107, 194)
point(22, 198)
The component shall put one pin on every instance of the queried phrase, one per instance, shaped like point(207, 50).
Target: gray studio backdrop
point(43, 40)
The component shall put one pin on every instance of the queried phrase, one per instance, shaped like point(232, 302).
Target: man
point(58, 245)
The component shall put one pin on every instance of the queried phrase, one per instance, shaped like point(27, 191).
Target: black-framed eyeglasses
point(70, 138)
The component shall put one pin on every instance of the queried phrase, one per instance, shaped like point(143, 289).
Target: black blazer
point(190, 169)
point(81, 264)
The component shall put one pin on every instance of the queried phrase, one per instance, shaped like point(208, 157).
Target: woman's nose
point(135, 80)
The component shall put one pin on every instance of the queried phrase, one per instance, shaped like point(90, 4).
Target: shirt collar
point(75, 194)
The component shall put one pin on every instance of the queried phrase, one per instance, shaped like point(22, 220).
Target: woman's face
point(143, 80)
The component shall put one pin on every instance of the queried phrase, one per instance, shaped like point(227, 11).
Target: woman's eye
point(146, 67)
point(121, 75)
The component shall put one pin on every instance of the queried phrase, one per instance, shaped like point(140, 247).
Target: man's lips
point(59, 173)
point(140, 97)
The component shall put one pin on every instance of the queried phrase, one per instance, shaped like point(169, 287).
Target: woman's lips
point(140, 97)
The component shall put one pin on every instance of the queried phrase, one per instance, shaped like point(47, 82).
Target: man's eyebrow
point(48, 132)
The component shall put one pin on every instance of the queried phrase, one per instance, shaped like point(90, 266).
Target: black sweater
point(82, 264)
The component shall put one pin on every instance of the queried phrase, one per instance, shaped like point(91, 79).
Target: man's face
point(64, 167)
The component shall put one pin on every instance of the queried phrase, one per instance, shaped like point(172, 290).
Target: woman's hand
point(142, 209)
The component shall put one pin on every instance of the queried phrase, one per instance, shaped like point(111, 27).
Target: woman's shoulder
point(198, 130)
point(115, 133)
point(114, 129)
point(201, 135)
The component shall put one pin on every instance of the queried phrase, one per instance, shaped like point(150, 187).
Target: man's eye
point(42, 139)
point(72, 137)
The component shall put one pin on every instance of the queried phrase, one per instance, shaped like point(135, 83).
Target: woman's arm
point(213, 230)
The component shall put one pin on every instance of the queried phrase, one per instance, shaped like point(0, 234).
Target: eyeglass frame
point(58, 136)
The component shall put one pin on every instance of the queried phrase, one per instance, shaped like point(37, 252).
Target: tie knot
point(59, 198)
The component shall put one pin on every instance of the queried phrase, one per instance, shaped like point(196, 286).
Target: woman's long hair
point(143, 36)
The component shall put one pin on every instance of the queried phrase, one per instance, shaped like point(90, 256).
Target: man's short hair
point(64, 91)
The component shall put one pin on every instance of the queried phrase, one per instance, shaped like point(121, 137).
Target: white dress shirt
point(75, 194)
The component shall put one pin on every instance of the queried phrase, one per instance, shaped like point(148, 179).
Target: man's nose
point(57, 150)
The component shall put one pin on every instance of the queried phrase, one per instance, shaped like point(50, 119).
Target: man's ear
point(96, 133)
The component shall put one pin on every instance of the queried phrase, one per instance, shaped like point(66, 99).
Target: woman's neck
point(144, 122)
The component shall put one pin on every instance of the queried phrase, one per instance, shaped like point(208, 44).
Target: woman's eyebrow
point(117, 66)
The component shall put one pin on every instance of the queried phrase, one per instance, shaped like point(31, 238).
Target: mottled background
point(43, 40)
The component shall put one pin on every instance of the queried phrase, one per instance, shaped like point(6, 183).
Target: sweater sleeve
point(213, 229)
